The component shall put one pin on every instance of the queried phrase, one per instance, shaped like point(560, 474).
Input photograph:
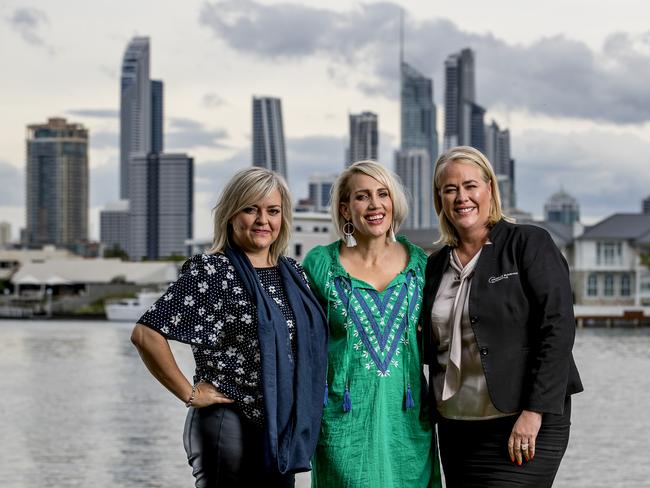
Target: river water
point(79, 409)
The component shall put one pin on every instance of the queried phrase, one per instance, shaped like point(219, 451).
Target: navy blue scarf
point(292, 387)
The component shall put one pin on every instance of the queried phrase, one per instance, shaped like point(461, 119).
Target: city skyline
point(573, 97)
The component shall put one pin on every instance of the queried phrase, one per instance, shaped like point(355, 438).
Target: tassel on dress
point(347, 402)
point(409, 398)
point(325, 399)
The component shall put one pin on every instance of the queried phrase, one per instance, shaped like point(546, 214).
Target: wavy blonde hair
point(341, 192)
point(465, 154)
point(244, 189)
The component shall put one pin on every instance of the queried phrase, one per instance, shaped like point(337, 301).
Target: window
point(609, 253)
point(297, 250)
point(592, 285)
point(323, 229)
point(298, 228)
point(609, 285)
point(625, 285)
point(316, 229)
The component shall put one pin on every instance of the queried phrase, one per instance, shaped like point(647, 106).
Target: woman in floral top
point(258, 336)
point(373, 432)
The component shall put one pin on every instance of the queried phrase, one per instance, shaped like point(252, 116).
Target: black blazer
point(521, 311)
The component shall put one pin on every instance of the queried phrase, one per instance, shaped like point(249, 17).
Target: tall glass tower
point(364, 138)
point(135, 107)
point(268, 135)
point(460, 97)
point(57, 183)
point(418, 112)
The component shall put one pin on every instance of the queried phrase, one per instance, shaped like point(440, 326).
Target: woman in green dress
point(373, 433)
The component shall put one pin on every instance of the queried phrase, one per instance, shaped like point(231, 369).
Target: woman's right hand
point(206, 394)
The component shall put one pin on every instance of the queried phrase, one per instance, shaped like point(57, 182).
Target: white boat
point(130, 309)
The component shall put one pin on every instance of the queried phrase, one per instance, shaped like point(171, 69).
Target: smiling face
point(466, 197)
point(369, 207)
point(257, 226)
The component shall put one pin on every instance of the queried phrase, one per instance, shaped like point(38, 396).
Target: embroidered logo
point(505, 276)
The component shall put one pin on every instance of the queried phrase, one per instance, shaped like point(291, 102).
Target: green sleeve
point(316, 265)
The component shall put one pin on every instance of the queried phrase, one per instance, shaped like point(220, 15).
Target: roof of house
point(79, 271)
point(620, 227)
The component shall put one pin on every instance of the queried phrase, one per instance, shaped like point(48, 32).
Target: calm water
point(78, 409)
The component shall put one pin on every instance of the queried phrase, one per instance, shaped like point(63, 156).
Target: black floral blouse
point(209, 308)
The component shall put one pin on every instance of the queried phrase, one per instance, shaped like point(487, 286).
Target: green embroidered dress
point(380, 442)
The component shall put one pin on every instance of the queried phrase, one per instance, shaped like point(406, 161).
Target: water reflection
point(78, 409)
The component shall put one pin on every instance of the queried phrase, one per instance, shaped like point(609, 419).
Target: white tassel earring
point(391, 235)
point(348, 230)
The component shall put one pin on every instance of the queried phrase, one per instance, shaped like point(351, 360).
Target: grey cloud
point(98, 113)
point(212, 100)
point(104, 140)
point(187, 134)
point(104, 182)
point(28, 22)
point(13, 184)
point(555, 76)
point(605, 172)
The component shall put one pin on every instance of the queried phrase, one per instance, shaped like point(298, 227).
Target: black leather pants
point(226, 451)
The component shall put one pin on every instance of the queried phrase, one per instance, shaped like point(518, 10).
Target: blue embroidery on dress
point(382, 336)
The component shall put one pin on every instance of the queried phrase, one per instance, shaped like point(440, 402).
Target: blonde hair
point(341, 192)
point(245, 188)
point(465, 154)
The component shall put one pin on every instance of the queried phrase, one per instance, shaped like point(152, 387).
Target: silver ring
point(524, 447)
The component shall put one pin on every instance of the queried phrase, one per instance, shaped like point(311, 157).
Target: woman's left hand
point(523, 436)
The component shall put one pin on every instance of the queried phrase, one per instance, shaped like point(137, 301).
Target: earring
point(348, 230)
point(391, 235)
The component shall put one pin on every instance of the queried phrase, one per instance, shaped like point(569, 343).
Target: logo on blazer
point(505, 276)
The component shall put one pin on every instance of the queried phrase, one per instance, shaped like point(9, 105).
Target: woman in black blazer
point(498, 329)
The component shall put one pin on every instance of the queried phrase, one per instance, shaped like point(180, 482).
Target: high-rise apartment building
point(135, 107)
point(419, 145)
point(157, 116)
point(645, 205)
point(114, 226)
point(5, 233)
point(563, 208)
point(497, 150)
point(57, 183)
point(415, 169)
point(160, 207)
point(268, 135)
point(364, 138)
point(460, 98)
point(417, 112)
point(320, 190)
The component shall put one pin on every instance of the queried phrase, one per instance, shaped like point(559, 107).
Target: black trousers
point(225, 450)
point(475, 453)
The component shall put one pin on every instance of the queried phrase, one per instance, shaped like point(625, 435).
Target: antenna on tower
point(401, 37)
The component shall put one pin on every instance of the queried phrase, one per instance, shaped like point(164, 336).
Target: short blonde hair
point(245, 188)
point(341, 192)
point(465, 154)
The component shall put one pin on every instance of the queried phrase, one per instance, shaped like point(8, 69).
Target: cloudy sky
point(571, 81)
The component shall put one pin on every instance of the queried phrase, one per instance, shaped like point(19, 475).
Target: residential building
point(161, 210)
point(645, 205)
point(415, 169)
point(5, 233)
point(611, 263)
point(114, 226)
point(157, 116)
point(563, 208)
point(310, 229)
point(497, 150)
point(268, 135)
point(135, 107)
point(57, 183)
point(460, 98)
point(320, 190)
point(364, 138)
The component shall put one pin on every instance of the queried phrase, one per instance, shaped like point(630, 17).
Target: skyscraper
point(135, 107)
point(417, 111)
point(563, 208)
point(57, 183)
point(114, 226)
point(415, 169)
point(419, 145)
point(320, 189)
point(157, 116)
point(160, 208)
point(268, 135)
point(460, 95)
point(497, 150)
point(364, 138)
